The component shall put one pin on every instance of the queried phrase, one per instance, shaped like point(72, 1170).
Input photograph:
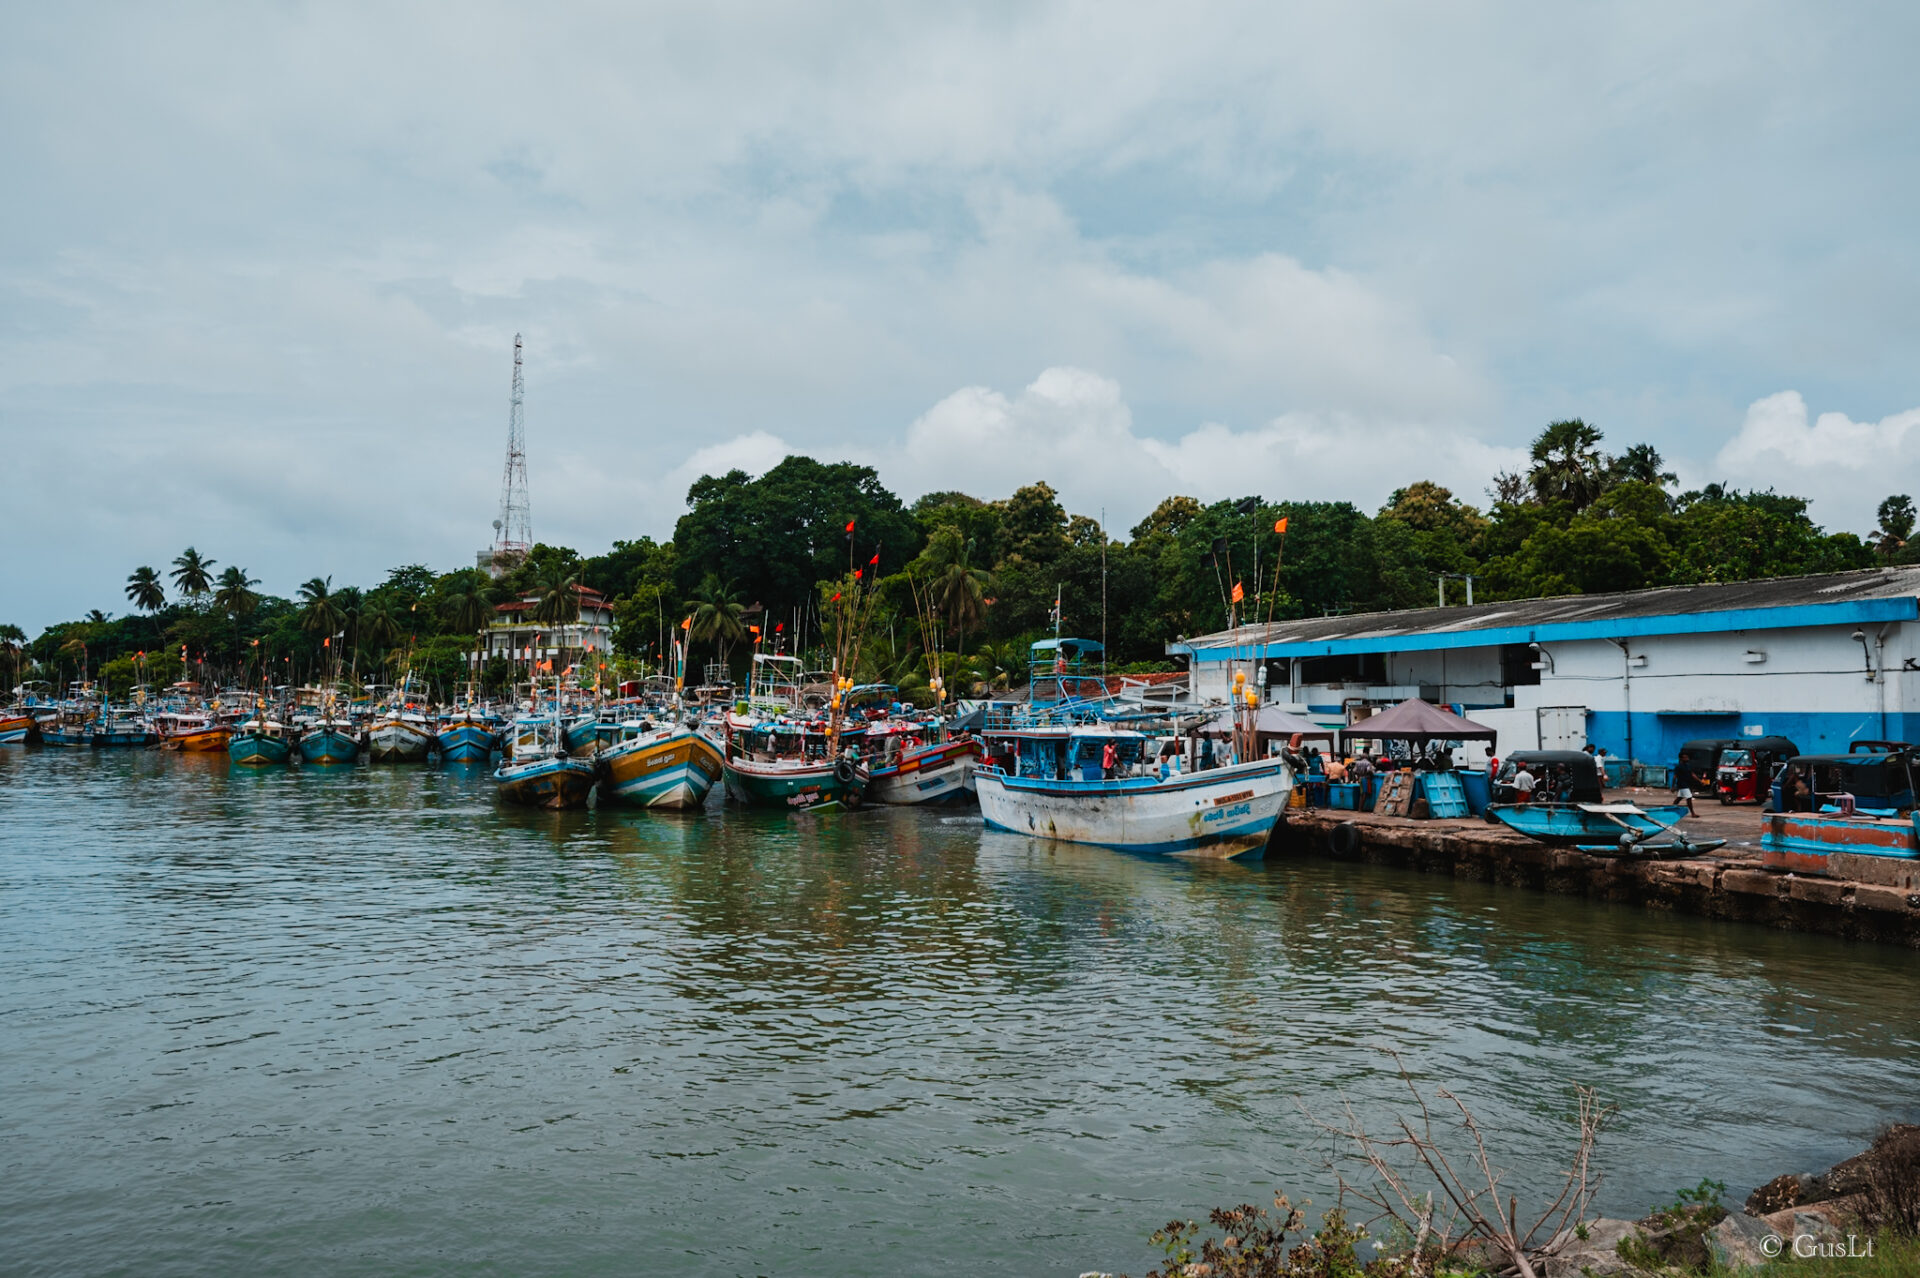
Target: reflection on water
point(351, 1018)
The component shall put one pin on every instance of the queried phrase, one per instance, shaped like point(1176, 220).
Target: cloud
point(1074, 429)
point(1843, 466)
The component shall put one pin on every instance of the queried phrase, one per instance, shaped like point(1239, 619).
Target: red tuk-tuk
point(1745, 772)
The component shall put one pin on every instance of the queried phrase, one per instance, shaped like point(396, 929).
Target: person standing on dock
point(1523, 786)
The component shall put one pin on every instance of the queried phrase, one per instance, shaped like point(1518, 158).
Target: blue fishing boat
point(466, 738)
point(260, 743)
point(330, 741)
point(539, 772)
point(123, 729)
point(1604, 828)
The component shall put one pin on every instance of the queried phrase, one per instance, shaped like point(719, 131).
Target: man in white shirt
point(1523, 785)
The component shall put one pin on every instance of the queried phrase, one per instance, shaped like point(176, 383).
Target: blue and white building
point(1822, 660)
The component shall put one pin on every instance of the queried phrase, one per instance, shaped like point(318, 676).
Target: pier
point(1727, 884)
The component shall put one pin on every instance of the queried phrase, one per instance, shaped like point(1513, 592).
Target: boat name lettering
point(1225, 799)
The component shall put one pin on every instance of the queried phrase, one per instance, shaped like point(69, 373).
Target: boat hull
point(934, 774)
point(255, 750)
point(329, 745)
point(1561, 823)
point(583, 736)
point(200, 741)
point(546, 783)
point(66, 736)
point(1223, 812)
point(674, 771)
point(1885, 852)
point(769, 785)
point(16, 729)
point(466, 743)
point(398, 741)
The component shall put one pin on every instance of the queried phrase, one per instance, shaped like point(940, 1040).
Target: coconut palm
point(192, 575)
point(556, 593)
point(378, 624)
point(144, 590)
point(718, 617)
point(467, 605)
point(959, 589)
point(319, 611)
point(13, 641)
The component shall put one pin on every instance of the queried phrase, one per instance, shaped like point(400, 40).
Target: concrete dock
point(1726, 884)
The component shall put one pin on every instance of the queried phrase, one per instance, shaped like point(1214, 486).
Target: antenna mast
point(513, 531)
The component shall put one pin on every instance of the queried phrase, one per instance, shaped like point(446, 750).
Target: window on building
point(1516, 666)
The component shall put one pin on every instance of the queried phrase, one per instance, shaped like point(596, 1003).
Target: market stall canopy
point(1273, 722)
point(1416, 720)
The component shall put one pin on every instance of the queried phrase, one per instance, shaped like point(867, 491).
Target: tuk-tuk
point(1698, 766)
point(1876, 774)
point(1559, 776)
point(1745, 773)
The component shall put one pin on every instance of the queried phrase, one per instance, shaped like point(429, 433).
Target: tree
point(192, 575)
point(1896, 516)
point(1641, 464)
point(380, 624)
point(556, 591)
point(14, 641)
point(145, 592)
point(1567, 465)
point(717, 615)
point(320, 612)
point(467, 604)
point(958, 588)
point(236, 599)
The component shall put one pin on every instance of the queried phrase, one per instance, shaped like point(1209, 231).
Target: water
point(364, 1020)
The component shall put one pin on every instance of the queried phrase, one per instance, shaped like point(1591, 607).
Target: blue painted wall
point(1657, 738)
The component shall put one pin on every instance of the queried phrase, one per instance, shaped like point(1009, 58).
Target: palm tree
point(14, 640)
point(192, 575)
point(468, 605)
point(319, 611)
point(557, 599)
point(717, 615)
point(1567, 464)
point(959, 589)
point(236, 599)
point(378, 623)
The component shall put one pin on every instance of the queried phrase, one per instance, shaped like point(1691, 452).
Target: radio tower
point(513, 531)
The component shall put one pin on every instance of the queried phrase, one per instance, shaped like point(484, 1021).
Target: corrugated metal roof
point(1367, 630)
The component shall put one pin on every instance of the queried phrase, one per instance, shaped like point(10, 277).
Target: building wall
point(1809, 684)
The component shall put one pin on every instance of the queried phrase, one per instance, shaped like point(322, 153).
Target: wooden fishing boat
point(66, 732)
point(938, 773)
point(540, 773)
point(666, 767)
point(329, 741)
point(400, 736)
point(260, 742)
point(1880, 847)
point(122, 729)
point(466, 738)
point(798, 785)
point(16, 729)
point(1625, 829)
point(191, 732)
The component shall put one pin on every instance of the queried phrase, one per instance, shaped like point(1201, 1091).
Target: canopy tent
point(1272, 722)
point(1416, 720)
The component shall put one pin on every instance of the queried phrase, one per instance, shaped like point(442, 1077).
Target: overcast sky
point(261, 265)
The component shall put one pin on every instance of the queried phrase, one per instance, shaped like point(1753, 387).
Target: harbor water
point(360, 1019)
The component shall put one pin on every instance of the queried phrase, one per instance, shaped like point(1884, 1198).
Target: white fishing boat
point(400, 735)
point(1061, 769)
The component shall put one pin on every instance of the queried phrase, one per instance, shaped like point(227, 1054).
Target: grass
point(1894, 1256)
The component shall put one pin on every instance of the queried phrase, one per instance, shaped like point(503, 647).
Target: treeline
point(978, 578)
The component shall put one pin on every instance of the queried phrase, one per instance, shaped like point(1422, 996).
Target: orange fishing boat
point(192, 732)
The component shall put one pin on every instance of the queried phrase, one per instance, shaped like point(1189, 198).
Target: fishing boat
point(191, 731)
point(464, 737)
point(66, 731)
point(1067, 767)
point(916, 772)
point(541, 774)
point(660, 766)
point(400, 735)
point(122, 729)
point(1878, 846)
point(260, 742)
point(798, 785)
point(16, 728)
point(1624, 829)
point(329, 740)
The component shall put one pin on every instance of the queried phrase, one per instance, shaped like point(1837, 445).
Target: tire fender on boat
point(843, 770)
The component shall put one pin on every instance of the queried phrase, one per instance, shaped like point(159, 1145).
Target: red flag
point(1239, 592)
point(1280, 526)
point(836, 597)
point(782, 626)
point(857, 572)
point(849, 528)
point(875, 561)
point(324, 643)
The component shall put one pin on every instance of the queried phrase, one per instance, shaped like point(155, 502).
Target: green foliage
point(1675, 1235)
point(1252, 1243)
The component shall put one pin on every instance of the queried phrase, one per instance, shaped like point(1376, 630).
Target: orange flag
point(1280, 526)
point(1239, 592)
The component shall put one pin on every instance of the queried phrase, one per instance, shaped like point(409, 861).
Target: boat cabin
point(1091, 754)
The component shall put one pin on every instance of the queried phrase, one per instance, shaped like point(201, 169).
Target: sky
point(261, 265)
